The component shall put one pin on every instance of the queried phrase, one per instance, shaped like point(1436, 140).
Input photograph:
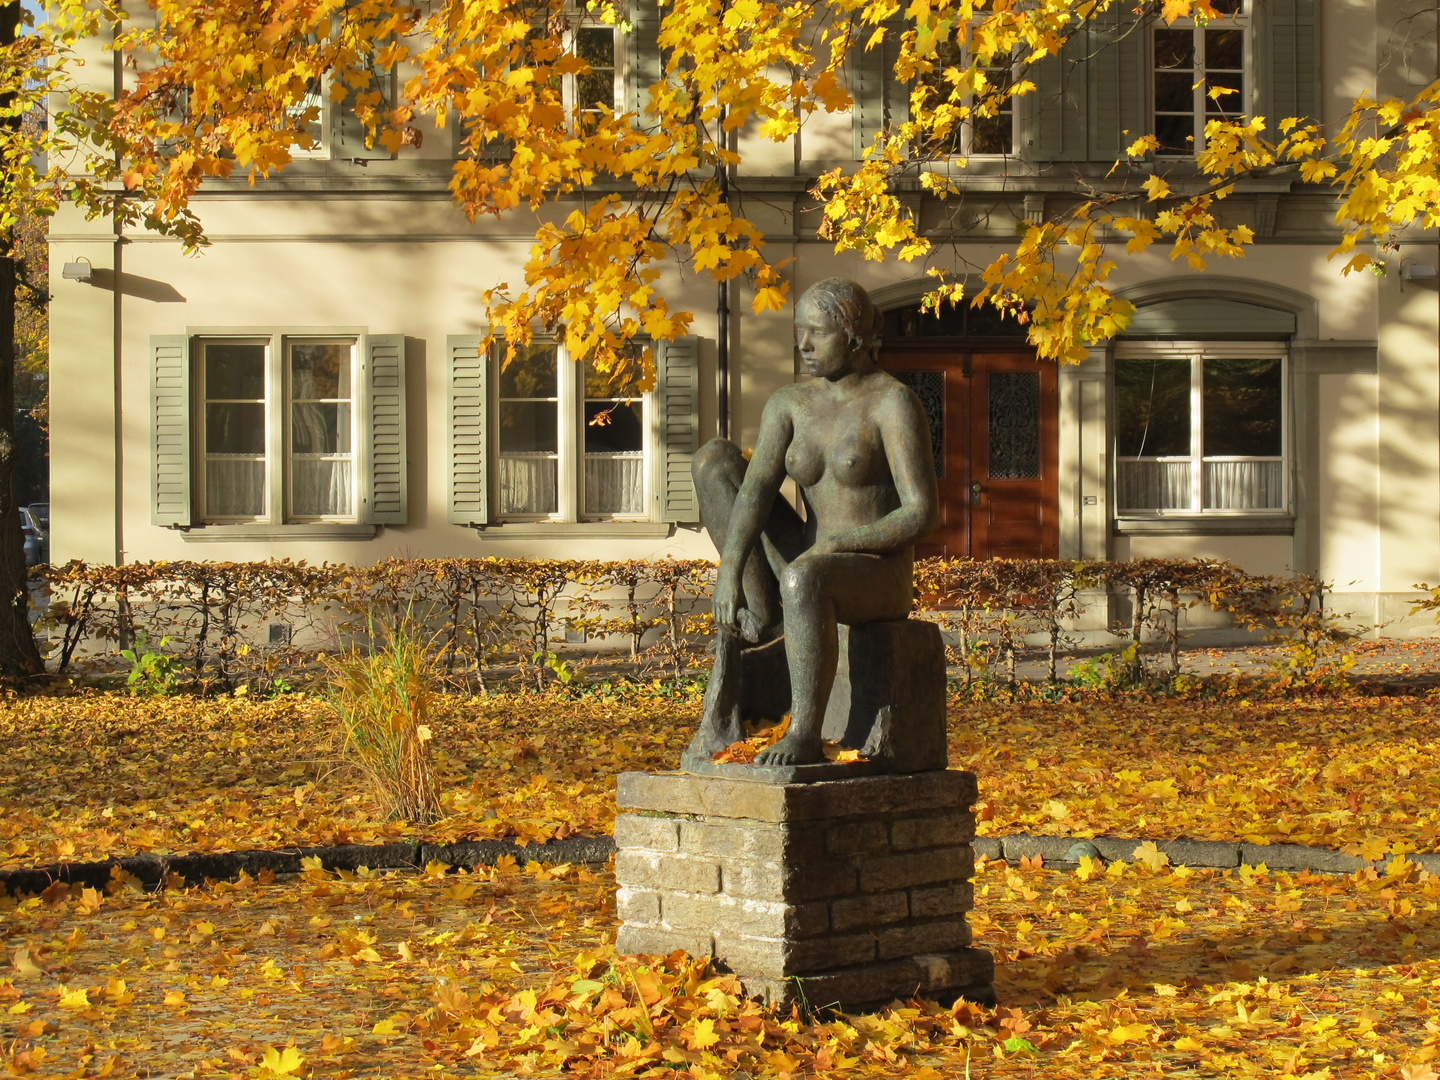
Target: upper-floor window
point(1200, 427)
point(990, 130)
point(597, 92)
point(1191, 60)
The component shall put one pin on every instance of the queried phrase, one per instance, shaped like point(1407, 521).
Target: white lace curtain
point(1229, 485)
point(615, 483)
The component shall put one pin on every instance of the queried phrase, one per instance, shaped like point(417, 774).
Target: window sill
point(310, 531)
point(1207, 525)
point(577, 530)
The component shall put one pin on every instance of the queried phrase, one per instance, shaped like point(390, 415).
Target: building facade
point(312, 386)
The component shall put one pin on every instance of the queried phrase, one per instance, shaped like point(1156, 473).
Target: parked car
point(34, 539)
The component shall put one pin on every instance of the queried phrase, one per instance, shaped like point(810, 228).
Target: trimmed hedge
point(261, 623)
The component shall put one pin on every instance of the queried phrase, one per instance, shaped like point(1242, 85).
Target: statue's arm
point(763, 477)
point(905, 434)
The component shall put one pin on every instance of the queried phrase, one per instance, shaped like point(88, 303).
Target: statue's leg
point(817, 593)
point(718, 469)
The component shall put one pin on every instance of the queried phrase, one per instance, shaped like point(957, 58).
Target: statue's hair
point(849, 305)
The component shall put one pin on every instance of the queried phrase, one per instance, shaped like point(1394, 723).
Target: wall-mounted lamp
point(1418, 272)
point(80, 270)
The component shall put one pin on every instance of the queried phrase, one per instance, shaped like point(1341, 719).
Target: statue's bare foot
point(792, 749)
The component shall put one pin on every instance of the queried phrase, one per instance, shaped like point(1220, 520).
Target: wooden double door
point(993, 416)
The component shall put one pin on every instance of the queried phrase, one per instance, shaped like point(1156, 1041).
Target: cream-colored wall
point(1349, 429)
point(1408, 492)
point(1259, 554)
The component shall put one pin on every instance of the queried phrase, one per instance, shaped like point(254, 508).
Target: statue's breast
point(805, 462)
point(857, 458)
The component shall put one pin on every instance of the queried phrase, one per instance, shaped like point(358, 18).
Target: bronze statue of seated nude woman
point(856, 442)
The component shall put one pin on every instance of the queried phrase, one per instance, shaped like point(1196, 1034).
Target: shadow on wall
point(1390, 481)
point(142, 288)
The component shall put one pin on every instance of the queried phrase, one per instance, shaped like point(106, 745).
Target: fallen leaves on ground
point(1107, 971)
point(97, 775)
point(1341, 772)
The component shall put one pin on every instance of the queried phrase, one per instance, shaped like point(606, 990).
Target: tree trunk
point(18, 655)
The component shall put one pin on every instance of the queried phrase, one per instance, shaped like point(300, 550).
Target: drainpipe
point(722, 315)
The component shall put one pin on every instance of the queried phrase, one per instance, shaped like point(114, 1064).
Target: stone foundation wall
point(857, 887)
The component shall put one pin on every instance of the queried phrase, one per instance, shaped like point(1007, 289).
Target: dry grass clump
point(382, 693)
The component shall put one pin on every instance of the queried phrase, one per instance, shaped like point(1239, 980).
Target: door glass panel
point(1014, 413)
point(930, 387)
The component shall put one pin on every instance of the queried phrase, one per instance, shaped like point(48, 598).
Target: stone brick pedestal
point(852, 892)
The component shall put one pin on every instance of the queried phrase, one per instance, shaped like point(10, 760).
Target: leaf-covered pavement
point(92, 775)
point(1121, 971)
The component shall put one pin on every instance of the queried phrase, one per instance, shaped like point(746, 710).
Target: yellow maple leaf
point(1123, 1033)
point(74, 999)
point(24, 965)
point(284, 1062)
point(1151, 855)
point(1371, 850)
point(702, 1034)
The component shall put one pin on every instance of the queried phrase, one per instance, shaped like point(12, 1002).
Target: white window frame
point(278, 459)
point(1241, 105)
point(577, 19)
point(570, 441)
point(1197, 352)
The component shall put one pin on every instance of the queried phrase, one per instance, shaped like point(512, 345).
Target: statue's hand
point(728, 599)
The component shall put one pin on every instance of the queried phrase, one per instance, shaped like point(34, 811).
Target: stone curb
point(1056, 851)
point(1220, 854)
point(226, 866)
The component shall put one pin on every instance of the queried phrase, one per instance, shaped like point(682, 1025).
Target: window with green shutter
point(543, 438)
point(272, 428)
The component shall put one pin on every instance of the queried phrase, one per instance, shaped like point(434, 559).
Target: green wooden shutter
point(347, 133)
point(644, 65)
point(677, 428)
point(1115, 68)
point(468, 428)
point(1088, 98)
point(383, 490)
point(171, 501)
point(1053, 122)
point(880, 99)
point(1289, 55)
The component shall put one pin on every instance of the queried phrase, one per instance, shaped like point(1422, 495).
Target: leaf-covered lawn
point(95, 775)
point(1126, 971)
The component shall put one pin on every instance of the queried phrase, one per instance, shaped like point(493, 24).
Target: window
point(594, 94)
point(599, 91)
point(1200, 428)
point(570, 440)
point(275, 429)
point(990, 135)
point(312, 115)
point(308, 403)
point(1191, 59)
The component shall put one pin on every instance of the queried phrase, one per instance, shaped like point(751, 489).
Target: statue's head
point(849, 305)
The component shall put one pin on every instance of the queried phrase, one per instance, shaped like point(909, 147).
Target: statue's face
point(824, 345)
